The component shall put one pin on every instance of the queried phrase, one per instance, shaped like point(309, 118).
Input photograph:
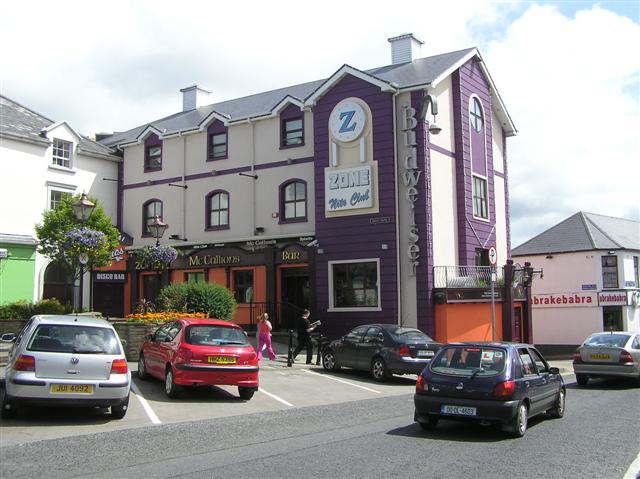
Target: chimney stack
point(194, 97)
point(404, 48)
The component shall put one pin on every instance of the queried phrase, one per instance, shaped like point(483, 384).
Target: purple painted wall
point(354, 237)
point(424, 221)
point(472, 233)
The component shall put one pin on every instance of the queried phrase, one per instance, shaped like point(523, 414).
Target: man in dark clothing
point(304, 339)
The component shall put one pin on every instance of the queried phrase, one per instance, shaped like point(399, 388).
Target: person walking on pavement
point(264, 337)
point(304, 339)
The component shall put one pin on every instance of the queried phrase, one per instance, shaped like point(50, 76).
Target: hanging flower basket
point(83, 240)
point(156, 257)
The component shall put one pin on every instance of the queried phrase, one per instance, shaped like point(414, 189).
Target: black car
point(499, 383)
point(383, 349)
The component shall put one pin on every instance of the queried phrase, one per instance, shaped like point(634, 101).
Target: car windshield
point(409, 335)
point(212, 335)
point(469, 361)
point(58, 338)
point(608, 339)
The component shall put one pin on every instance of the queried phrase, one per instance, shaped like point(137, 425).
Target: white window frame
point(62, 188)
point(55, 157)
point(473, 197)
point(332, 307)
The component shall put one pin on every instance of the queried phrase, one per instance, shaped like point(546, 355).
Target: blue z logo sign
point(347, 115)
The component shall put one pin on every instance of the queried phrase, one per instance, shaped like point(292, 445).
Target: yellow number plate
point(72, 388)
point(600, 356)
point(222, 359)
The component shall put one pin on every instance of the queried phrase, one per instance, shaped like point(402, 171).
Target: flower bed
point(162, 316)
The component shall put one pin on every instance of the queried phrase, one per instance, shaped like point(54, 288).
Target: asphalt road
point(597, 438)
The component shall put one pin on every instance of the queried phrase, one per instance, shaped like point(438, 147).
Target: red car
point(200, 352)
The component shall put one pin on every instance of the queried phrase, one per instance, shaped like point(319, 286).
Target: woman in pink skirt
point(264, 337)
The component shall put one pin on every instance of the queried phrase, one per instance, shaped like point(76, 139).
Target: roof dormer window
point(62, 153)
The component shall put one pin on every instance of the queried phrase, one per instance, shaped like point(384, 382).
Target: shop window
point(480, 204)
point(194, 277)
point(217, 207)
point(355, 284)
point(62, 153)
point(292, 131)
point(293, 201)
point(243, 285)
point(612, 318)
point(609, 272)
point(150, 210)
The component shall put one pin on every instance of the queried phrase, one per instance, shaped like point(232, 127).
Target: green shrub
point(213, 299)
point(24, 309)
point(49, 306)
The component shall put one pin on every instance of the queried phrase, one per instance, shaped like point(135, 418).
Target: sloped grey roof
point(419, 72)
point(21, 123)
point(584, 232)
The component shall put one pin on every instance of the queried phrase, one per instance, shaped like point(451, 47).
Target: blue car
point(491, 383)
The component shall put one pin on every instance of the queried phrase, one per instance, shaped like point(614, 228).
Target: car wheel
point(329, 361)
point(171, 389)
point(142, 368)
point(246, 393)
point(557, 411)
point(582, 380)
point(519, 425)
point(379, 370)
point(9, 409)
point(118, 412)
point(429, 423)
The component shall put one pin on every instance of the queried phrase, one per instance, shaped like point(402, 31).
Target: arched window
point(217, 210)
point(293, 201)
point(150, 210)
point(475, 115)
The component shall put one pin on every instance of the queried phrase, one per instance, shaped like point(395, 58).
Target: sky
point(568, 72)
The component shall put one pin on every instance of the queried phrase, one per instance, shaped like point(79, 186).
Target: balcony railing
point(463, 277)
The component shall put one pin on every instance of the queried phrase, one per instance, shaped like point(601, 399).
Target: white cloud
point(571, 84)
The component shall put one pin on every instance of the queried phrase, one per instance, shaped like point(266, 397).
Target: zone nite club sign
point(348, 188)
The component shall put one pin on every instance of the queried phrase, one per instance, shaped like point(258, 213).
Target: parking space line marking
point(342, 381)
point(275, 397)
point(145, 405)
point(634, 469)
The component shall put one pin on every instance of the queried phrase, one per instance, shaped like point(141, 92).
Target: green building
point(17, 268)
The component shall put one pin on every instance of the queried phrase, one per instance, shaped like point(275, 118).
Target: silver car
point(608, 355)
point(67, 361)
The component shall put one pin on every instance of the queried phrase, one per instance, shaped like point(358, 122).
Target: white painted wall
point(569, 274)
point(496, 143)
point(501, 218)
point(21, 207)
point(445, 218)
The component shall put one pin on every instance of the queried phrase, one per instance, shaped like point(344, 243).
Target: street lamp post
point(157, 228)
point(82, 210)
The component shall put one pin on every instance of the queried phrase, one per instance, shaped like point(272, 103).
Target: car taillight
point(404, 350)
point(25, 363)
point(119, 366)
point(577, 358)
point(625, 357)
point(505, 389)
point(421, 384)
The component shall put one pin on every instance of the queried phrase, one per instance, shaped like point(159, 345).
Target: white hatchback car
point(67, 361)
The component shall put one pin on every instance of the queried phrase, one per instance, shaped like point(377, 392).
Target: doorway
point(108, 298)
point(517, 323)
point(294, 294)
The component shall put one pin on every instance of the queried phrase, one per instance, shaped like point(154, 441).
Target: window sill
point(480, 218)
point(217, 228)
point(287, 147)
point(152, 170)
point(63, 169)
point(293, 220)
point(354, 310)
point(216, 158)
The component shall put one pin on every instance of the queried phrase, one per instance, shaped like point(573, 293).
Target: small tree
point(213, 299)
point(62, 238)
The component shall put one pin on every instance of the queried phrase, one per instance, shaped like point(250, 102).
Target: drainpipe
point(253, 172)
point(184, 190)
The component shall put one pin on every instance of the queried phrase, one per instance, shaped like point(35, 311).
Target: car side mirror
point(554, 371)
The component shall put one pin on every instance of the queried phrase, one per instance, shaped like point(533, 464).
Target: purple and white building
point(343, 195)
